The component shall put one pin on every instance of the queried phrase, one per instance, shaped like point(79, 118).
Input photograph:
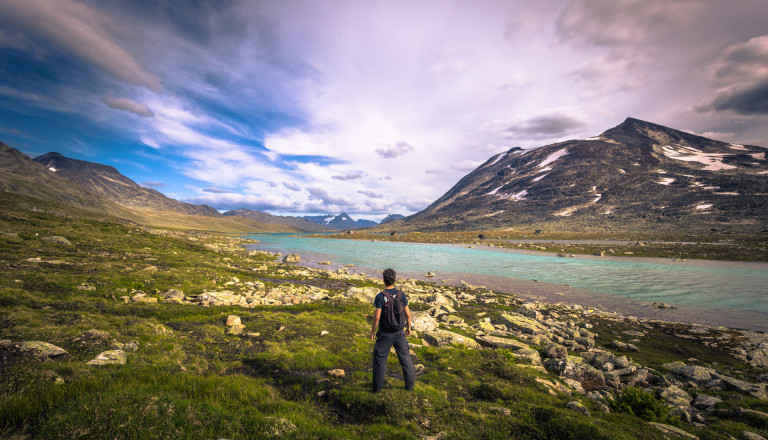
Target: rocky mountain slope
point(635, 176)
point(299, 223)
point(391, 217)
point(341, 221)
point(102, 189)
point(21, 175)
point(110, 183)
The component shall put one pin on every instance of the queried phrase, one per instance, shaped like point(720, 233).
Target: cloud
point(623, 22)
point(326, 197)
point(215, 190)
point(742, 72)
point(84, 31)
point(250, 201)
point(153, 184)
point(398, 149)
point(352, 176)
point(129, 106)
point(749, 99)
point(742, 62)
point(465, 165)
point(292, 186)
point(553, 125)
point(371, 194)
point(434, 171)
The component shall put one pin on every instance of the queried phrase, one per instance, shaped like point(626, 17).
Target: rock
point(86, 287)
point(518, 322)
point(496, 342)
point(663, 305)
point(528, 355)
point(324, 332)
point(173, 294)
point(364, 294)
point(109, 357)
point(620, 362)
point(588, 343)
point(57, 239)
point(292, 258)
point(555, 351)
point(445, 339)
point(150, 269)
point(590, 377)
point(743, 387)
point(487, 327)
point(423, 322)
point(575, 385)
point(94, 334)
point(233, 320)
point(674, 395)
point(323, 262)
point(693, 373)
point(578, 407)
point(752, 436)
point(429, 274)
point(599, 253)
point(668, 429)
point(623, 346)
point(338, 372)
point(46, 350)
point(703, 401)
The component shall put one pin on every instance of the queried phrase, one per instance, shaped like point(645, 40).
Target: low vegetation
point(187, 377)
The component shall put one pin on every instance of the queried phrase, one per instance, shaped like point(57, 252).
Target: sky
point(300, 107)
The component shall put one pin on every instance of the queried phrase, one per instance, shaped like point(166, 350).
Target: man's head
point(389, 276)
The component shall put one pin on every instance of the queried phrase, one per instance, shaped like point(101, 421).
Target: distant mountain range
point(635, 176)
point(341, 221)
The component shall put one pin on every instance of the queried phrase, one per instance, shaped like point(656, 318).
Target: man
point(385, 339)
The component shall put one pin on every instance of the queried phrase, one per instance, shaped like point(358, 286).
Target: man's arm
point(376, 316)
point(408, 321)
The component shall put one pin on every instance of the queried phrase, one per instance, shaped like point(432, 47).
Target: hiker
point(392, 312)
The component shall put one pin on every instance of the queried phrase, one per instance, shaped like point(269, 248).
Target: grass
point(190, 379)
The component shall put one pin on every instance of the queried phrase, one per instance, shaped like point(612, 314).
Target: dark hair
point(389, 276)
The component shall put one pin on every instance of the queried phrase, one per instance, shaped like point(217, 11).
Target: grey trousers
point(384, 341)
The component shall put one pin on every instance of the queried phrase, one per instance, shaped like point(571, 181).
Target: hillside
point(298, 223)
point(111, 184)
point(635, 176)
point(102, 189)
point(109, 337)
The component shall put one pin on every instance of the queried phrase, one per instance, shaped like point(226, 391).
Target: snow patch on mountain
point(666, 181)
point(540, 177)
point(553, 157)
point(713, 161)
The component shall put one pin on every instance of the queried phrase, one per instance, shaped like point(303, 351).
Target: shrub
point(641, 403)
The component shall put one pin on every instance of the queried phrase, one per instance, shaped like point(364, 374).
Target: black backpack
point(393, 315)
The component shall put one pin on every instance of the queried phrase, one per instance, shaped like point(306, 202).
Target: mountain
point(391, 217)
point(109, 183)
point(102, 190)
point(341, 221)
point(299, 223)
point(21, 175)
point(635, 176)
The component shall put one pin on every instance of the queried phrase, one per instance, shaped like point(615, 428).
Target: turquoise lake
point(719, 286)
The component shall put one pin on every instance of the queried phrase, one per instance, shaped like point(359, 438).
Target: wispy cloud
point(128, 105)
point(85, 31)
point(153, 184)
